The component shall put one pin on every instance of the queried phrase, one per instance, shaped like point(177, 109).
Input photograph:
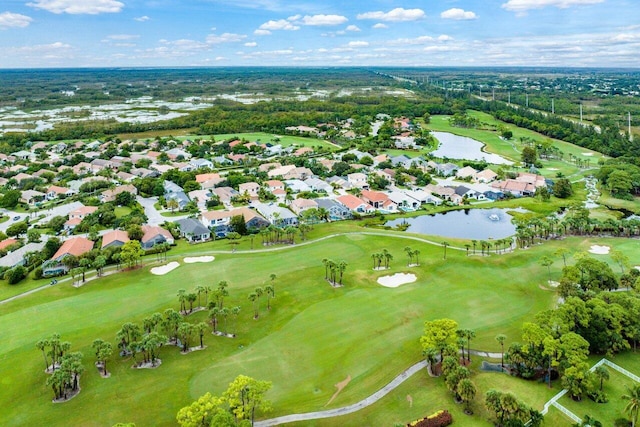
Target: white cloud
point(13, 20)
point(458, 14)
point(280, 24)
point(358, 44)
point(444, 38)
point(142, 18)
point(294, 18)
point(414, 41)
point(396, 15)
point(123, 36)
point(44, 47)
point(259, 32)
point(225, 38)
point(379, 26)
point(251, 44)
point(319, 20)
point(522, 6)
point(220, 58)
point(78, 7)
point(352, 28)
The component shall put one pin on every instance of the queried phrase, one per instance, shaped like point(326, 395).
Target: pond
point(472, 224)
point(460, 147)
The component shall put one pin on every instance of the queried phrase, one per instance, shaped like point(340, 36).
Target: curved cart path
point(329, 413)
point(346, 409)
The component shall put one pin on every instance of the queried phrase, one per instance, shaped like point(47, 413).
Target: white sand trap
point(553, 284)
point(397, 279)
point(599, 250)
point(553, 169)
point(587, 154)
point(164, 269)
point(192, 259)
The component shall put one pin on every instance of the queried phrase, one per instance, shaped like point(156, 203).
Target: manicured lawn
point(284, 140)
point(608, 412)
point(121, 211)
point(362, 330)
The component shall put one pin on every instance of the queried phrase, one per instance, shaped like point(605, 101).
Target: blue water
point(473, 224)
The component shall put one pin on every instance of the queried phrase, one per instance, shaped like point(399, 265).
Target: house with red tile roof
point(114, 238)
point(6, 243)
point(355, 204)
point(154, 235)
point(75, 246)
point(375, 199)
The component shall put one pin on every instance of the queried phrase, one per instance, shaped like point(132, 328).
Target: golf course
point(313, 337)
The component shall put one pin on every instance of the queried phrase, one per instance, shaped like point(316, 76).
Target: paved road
point(61, 210)
point(347, 409)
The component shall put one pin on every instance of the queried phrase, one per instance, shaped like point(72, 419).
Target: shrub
point(16, 274)
point(622, 422)
point(37, 273)
point(598, 396)
point(439, 419)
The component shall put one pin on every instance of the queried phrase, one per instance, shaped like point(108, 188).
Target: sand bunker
point(341, 385)
point(599, 250)
point(397, 279)
point(587, 154)
point(164, 269)
point(192, 259)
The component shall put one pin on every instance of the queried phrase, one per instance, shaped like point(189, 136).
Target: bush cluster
point(441, 418)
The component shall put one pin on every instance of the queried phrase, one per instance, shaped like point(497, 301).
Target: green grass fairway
point(314, 336)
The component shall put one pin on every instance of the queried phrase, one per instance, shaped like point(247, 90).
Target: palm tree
point(474, 242)
point(444, 245)
point(387, 257)
point(270, 293)
point(253, 298)
point(199, 290)
point(409, 252)
point(182, 298)
point(467, 391)
point(172, 204)
point(259, 292)
point(374, 257)
point(42, 345)
point(224, 312)
point(469, 334)
point(272, 276)
point(342, 266)
point(415, 254)
point(235, 311)
point(501, 339)
point(325, 262)
point(633, 406)
point(191, 298)
point(213, 315)
point(602, 373)
point(467, 247)
point(201, 328)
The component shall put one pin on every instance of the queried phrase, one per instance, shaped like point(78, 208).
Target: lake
point(461, 147)
point(473, 224)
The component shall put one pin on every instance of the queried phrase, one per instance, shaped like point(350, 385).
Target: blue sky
point(105, 33)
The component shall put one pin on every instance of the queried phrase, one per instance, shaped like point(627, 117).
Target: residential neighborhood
point(104, 194)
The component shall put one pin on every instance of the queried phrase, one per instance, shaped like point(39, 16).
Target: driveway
point(153, 215)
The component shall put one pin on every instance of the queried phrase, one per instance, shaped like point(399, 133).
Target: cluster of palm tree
point(197, 295)
point(380, 257)
point(457, 380)
point(498, 245)
point(411, 253)
point(65, 367)
point(269, 291)
point(103, 350)
point(334, 271)
point(273, 234)
point(215, 313)
point(575, 222)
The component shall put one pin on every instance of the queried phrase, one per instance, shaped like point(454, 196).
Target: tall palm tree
point(409, 252)
point(444, 245)
point(224, 312)
point(272, 276)
point(474, 242)
point(182, 298)
point(415, 254)
point(342, 266)
point(501, 339)
point(602, 373)
point(467, 391)
point(213, 315)
point(253, 298)
point(270, 292)
point(633, 405)
point(235, 311)
point(325, 262)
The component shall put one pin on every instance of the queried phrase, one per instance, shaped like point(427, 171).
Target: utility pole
point(553, 108)
point(580, 113)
